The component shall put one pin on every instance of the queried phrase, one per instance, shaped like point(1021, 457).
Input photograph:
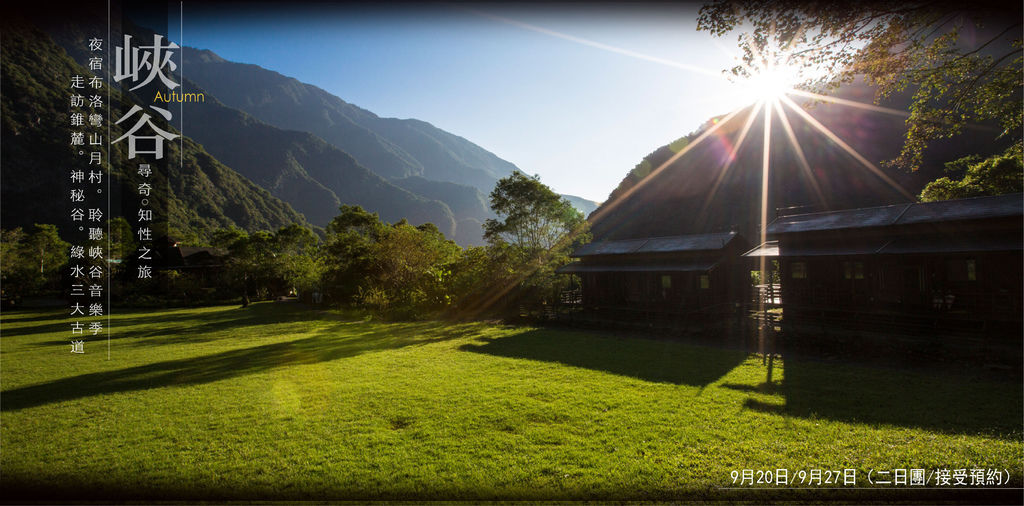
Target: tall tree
point(46, 248)
point(533, 216)
point(535, 231)
point(348, 251)
point(31, 261)
point(918, 46)
point(300, 262)
point(13, 271)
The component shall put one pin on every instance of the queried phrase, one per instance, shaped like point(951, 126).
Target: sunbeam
point(598, 45)
point(806, 167)
point(876, 108)
point(763, 232)
point(728, 162)
point(609, 206)
point(851, 103)
point(846, 147)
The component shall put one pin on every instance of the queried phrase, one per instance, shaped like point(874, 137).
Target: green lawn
point(279, 402)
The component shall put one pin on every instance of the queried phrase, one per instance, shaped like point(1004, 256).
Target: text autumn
point(174, 96)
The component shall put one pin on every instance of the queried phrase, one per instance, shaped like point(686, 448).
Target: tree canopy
point(973, 177)
point(961, 60)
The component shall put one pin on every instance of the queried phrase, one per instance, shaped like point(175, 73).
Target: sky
point(576, 94)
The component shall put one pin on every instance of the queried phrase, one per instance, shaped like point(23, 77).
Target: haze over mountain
point(393, 148)
point(397, 149)
point(697, 194)
point(302, 169)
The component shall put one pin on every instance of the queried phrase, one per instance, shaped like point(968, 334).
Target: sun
point(768, 84)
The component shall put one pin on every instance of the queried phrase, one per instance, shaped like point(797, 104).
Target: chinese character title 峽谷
point(140, 66)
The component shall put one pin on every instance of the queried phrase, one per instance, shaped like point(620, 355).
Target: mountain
point(397, 149)
point(393, 148)
point(583, 205)
point(201, 195)
point(303, 170)
point(700, 192)
point(465, 201)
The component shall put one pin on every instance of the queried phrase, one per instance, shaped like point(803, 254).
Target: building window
point(972, 272)
point(666, 282)
point(798, 270)
point(705, 281)
point(853, 270)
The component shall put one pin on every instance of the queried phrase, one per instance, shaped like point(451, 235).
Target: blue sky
point(559, 91)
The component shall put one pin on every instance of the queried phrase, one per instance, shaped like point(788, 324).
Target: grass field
point(276, 401)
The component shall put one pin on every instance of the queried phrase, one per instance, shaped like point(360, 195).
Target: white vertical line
point(181, 110)
point(109, 173)
point(1, 180)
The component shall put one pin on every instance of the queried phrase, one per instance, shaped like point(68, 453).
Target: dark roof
point(695, 266)
point(931, 243)
point(903, 214)
point(187, 251)
point(609, 247)
point(669, 244)
point(165, 241)
point(850, 218)
point(965, 209)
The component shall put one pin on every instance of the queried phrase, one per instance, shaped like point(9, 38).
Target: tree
point(15, 271)
point(535, 232)
point(122, 240)
point(348, 251)
point(411, 270)
point(250, 260)
point(47, 248)
point(299, 257)
point(533, 216)
point(973, 177)
point(915, 45)
point(32, 261)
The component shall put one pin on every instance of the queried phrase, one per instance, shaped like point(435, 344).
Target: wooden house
point(670, 276)
point(928, 265)
point(203, 263)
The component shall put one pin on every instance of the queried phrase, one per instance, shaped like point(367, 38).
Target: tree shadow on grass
point(194, 331)
point(331, 343)
point(660, 361)
point(162, 321)
point(928, 399)
point(182, 325)
point(30, 315)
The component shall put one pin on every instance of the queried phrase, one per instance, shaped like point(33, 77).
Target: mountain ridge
point(396, 149)
point(304, 170)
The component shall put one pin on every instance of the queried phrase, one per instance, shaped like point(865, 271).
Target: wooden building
point(932, 264)
point(205, 264)
point(670, 276)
